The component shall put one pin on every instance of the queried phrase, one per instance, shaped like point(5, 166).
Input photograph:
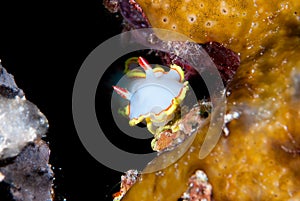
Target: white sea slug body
point(154, 94)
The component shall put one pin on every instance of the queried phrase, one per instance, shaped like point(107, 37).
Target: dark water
point(43, 44)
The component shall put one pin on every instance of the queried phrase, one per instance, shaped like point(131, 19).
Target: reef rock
point(29, 176)
point(24, 170)
point(20, 120)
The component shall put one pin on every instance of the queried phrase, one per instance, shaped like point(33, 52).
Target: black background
point(43, 44)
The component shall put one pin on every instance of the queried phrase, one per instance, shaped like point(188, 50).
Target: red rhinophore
point(124, 93)
point(144, 64)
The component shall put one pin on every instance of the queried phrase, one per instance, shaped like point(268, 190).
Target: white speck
point(21, 109)
point(228, 118)
point(201, 175)
point(160, 173)
point(192, 149)
point(231, 116)
point(1, 177)
point(186, 196)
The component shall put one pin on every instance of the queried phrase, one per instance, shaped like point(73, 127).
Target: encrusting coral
point(260, 158)
point(243, 26)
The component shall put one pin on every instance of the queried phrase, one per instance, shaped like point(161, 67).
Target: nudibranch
point(153, 94)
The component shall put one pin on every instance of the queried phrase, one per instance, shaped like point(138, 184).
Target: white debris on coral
point(21, 122)
point(228, 118)
point(127, 180)
point(199, 189)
